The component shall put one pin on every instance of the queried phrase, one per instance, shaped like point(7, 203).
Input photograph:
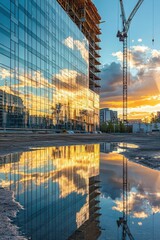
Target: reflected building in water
point(90, 229)
point(107, 147)
point(49, 65)
point(59, 190)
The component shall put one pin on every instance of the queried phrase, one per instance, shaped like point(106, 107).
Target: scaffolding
point(85, 15)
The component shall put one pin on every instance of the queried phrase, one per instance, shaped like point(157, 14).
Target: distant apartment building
point(49, 58)
point(107, 115)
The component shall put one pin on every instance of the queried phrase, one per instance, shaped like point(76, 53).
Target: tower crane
point(122, 35)
point(122, 221)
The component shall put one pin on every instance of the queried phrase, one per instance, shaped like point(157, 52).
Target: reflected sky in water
point(53, 186)
point(144, 196)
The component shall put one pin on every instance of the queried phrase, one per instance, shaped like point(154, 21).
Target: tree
point(154, 119)
point(121, 127)
point(110, 127)
point(103, 127)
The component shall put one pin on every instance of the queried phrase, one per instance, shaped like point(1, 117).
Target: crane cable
point(153, 22)
point(129, 60)
point(118, 15)
point(153, 222)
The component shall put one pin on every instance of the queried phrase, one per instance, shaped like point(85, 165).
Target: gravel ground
point(13, 141)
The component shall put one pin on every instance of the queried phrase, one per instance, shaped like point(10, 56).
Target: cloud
point(140, 40)
point(77, 45)
point(118, 55)
point(111, 78)
point(143, 79)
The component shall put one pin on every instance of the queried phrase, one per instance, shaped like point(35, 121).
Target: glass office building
point(44, 69)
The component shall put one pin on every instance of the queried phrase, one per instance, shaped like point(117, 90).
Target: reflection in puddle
point(143, 197)
point(116, 147)
point(58, 188)
point(129, 145)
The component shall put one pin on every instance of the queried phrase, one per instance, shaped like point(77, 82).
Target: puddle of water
point(58, 189)
point(143, 198)
point(129, 145)
point(117, 147)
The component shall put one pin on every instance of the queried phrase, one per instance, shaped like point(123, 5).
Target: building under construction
point(49, 65)
point(85, 15)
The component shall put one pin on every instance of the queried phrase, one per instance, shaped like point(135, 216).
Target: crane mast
point(122, 221)
point(122, 35)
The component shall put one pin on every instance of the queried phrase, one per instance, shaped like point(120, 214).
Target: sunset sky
point(143, 57)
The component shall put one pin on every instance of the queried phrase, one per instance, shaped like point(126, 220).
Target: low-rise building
point(107, 115)
point(145, 127)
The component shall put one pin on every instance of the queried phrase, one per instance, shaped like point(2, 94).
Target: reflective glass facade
point(56, 186)
point(44, 69)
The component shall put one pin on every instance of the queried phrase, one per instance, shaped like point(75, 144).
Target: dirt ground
point(147, 152)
